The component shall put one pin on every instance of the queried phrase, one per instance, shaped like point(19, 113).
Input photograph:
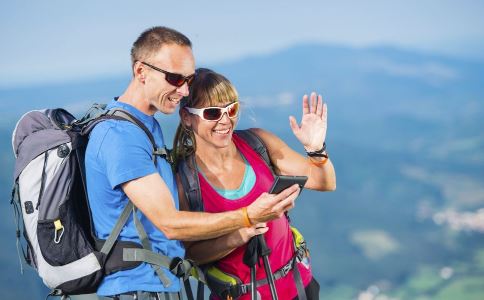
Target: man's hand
point(272, 206)
point(242, 236)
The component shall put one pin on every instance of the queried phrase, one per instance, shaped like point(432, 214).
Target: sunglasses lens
point(190, 79)
point(212, 114)
point(233, 110)
point(175, 79)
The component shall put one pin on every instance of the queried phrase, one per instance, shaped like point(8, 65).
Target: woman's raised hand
point(312, 131)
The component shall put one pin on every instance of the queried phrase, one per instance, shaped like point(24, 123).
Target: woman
point(231, 175)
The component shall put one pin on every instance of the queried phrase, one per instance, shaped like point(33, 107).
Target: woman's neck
point(223, 167)
point(215, 160)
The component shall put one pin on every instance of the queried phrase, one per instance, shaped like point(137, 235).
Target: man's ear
point(139, 71)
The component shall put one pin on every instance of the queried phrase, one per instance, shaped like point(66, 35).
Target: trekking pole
point(251, 258)
point(264, 251)
point(253, 290)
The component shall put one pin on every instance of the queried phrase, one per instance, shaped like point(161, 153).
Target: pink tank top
point(279, 237)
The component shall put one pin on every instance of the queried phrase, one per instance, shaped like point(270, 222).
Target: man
point(119, 166)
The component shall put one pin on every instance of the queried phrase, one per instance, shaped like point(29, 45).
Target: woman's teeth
point(222, 131)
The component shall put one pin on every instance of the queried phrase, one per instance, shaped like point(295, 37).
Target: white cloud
point(430, 72)
point(282, 99)
point(375, 244)
point(461, 221)
point(458, 190)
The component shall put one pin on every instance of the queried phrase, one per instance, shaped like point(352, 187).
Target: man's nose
point(183, 90)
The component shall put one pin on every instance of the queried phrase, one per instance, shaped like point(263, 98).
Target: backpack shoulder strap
point(134, 254)
point(95, 116)
point(256, 143)
point(189, 174)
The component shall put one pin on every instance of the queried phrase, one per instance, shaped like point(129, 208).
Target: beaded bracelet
point(318, 153)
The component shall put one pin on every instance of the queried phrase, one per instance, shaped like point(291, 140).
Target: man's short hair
point(152, 39)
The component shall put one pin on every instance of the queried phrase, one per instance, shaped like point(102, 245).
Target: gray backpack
point(50, 201)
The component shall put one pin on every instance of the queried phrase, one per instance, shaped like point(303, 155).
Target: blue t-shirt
point(117, 152)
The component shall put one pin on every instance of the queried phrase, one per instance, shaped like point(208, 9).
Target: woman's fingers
point(320, 106)
point(294, 126)
point(312, 109)
point(305, 104)
point(286, 199)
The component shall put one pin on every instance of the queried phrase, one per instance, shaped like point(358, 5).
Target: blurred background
point(404, 83)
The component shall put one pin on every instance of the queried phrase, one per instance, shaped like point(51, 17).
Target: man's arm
point(205, 251)
point(151, 195)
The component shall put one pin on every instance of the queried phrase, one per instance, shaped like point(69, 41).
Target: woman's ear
point(185, 118)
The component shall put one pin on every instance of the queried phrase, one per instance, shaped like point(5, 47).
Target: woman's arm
point(312, 134)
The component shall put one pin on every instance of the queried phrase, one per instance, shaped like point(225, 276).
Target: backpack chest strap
point(299, 254)
point(238, 290)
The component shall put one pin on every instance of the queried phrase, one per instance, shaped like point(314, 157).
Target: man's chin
point(167, 111)
point(168, 107)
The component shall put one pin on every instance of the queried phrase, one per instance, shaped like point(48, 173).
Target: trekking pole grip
point(263, 249)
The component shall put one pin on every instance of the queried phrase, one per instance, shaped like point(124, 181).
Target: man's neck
point(134, 96)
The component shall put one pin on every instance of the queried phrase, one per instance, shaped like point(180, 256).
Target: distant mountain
point(405, 136)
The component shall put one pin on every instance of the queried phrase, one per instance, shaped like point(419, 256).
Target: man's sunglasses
point(173, 78)
point(215, 113)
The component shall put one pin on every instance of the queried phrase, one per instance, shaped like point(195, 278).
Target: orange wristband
point(247, 221)
point(318, 163)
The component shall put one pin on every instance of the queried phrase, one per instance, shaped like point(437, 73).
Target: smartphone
point(282, 182)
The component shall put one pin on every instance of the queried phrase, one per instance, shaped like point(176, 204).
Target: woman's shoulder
point(260, 132)
point(266, 136)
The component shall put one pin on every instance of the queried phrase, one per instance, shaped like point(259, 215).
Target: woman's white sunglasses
point(215, 113)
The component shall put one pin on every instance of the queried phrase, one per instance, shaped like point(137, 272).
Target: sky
point(59, 40)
